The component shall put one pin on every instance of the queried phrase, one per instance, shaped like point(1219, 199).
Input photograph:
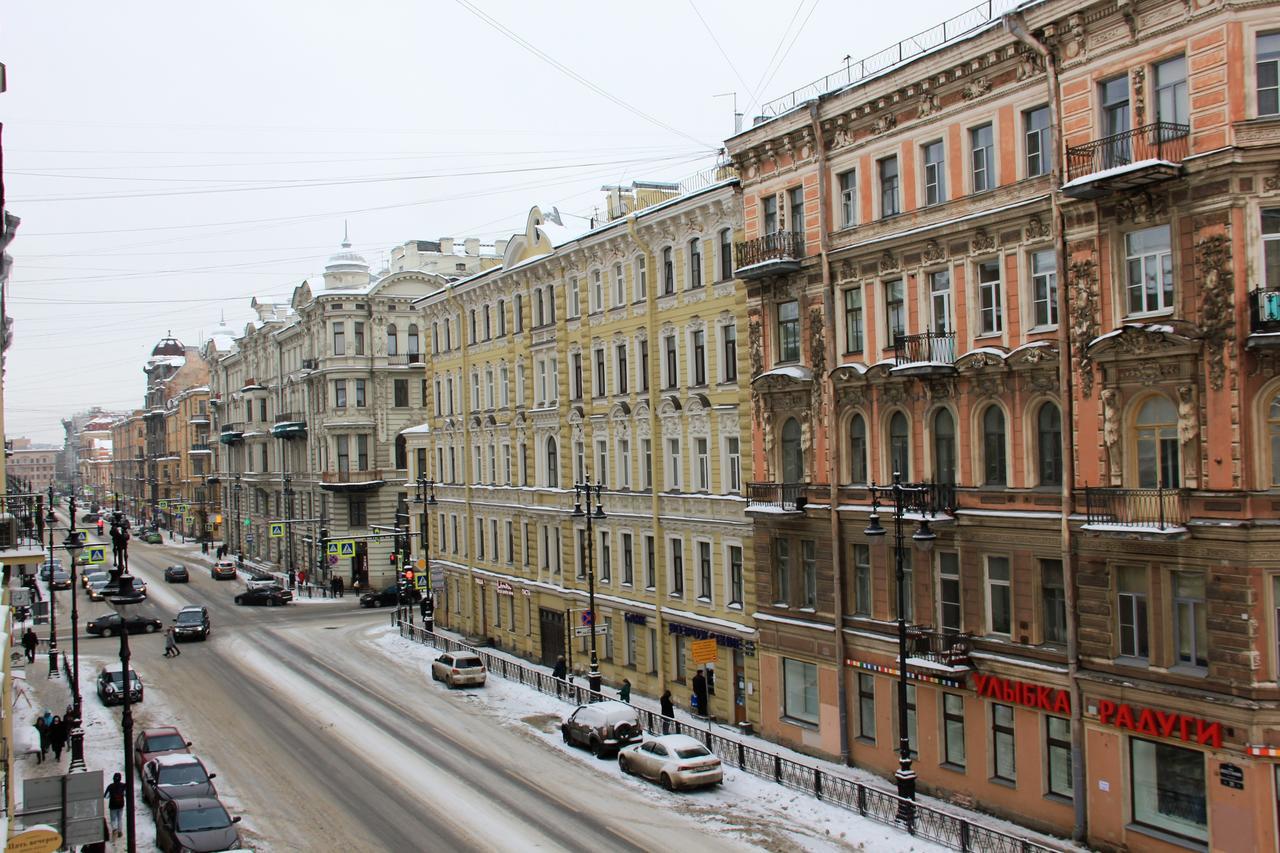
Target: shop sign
point(635, 618)
point(703, 634)
point(504, 588)
point(1231, 776)
point(1159, 723)
point(1050, 699)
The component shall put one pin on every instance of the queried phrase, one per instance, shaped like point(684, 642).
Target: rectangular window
point(853, 320)
point(620, 367)
point(848, 198)
point(695, 264)
point(912, 741)
point(628, 561)
point(597, 292)
point(935, 173)
point(800, 690)
point(867, 706)
point(940, 301)
point(1268, 74)
point(999, 596)
point(357, 513)
point(769, 214)
point(624, 463)
point(339, 338)
point(582, 553)
point(1190, 629)
point(729, 336)
point(1053, 601)
point(735, 576)
point(619, 286)
point(602, 459)
point(644, 365)
point(702, 463)
point(789, 331)
point(953, 729)
point(600, 380)
point(1044, 288)
point(861, 586)
point(732, 480)
point(650, 564)
point(400, 391)
point(1058, 751)
point(673, 464)
point(646, 450)
point(699, 358)
point(575, 298)
point(1168, 788)
point(673, 368)
point(1003, 763)
point(990, 302)
point(894, 310)
point(575, 375)
point(1149, 262)
point(606, 557)
point(908, 589)
point(630, 650)
point(704, 571)
point(809, 558)
point(889, 187)
point(668, 272)
point(949, 591)
point(677, 567)
point(726, 254)
point(782, 572)
point(981, 158)
point(1271, 261)
point(1171, 91)
point(340, 393)
point(344, 453)
point(359, 338)
point(642, 279)
point(1131, 585)
point(1035, 127)
point(795, 209)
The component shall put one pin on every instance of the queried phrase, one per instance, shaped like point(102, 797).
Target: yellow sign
point(217, 519)
point(422, 564)
point(703, 651)
point(342, 548)
point(38, 839)
point(97, 555)
point(276, 530)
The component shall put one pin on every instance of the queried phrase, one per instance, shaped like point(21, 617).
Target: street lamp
point(586, 503)
point(74, 544)
point(125, 597)
point(907, 497)
point(425, 497)
point(51, 520)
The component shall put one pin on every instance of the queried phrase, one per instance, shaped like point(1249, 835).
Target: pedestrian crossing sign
point(97, 554)
point(164, 504)
point(277, 530)
point(347, 548)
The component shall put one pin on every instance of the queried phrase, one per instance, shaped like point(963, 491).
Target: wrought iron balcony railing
point(1156, 509)
point(1161, 140)
point(926, 347)
point(289, 418)
point(1264, 310)
point(949, 648)
point(788, 497)
point(778, 246)
point(351, 476)
point(406, 358)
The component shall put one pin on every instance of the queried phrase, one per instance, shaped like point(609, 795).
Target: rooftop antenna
point(346, 243)
point(737, 116)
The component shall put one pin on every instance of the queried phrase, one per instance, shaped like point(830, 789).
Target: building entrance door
point(551, 628)
point(739, 688)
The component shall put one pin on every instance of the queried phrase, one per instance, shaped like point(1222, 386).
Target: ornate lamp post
point(425, 497)
point(126, 597)
point(587, 504)
point(74, 544)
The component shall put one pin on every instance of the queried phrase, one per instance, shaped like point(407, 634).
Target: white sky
point(199, 114)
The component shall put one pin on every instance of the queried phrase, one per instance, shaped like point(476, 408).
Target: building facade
point(33, 469)
point(1031, 271)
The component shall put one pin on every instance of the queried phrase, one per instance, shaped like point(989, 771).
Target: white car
point(458, 668)
point(675, 761)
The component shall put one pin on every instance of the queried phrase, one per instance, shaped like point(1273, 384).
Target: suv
point(602, 727)
point(192, 623)
point(111, 682)
point(223, 570)
point(458, 668)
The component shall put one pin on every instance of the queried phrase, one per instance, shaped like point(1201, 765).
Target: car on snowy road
point(271, 596)
point(111, 686)
point(95, 590)
point(161, 740)
point(458, 669)
point(602, 727)
point(176, 574)
point(192, 623)
point(176, 776)
point(674, 761)
point(60, 579)
point(110, 625)
point(197, 825)
point(152, 537)
point(223, 570)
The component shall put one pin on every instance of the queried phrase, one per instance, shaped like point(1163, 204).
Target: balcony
point(773, 254)
point(289, 425)
point(231, 434)
point(777, 497)
point(1136, 511)
point(201, 447)
point(364, 480)
point(1264, 318)
point(1123, 161)
point(925, 354)
point(200, 419)
point(406, 359)
point(948, 648)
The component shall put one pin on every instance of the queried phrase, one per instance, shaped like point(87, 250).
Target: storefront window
point(1003, 763)
point(800, 686)
point(1058, 737)
point(953, 728)
point(867, 706)
point(1168, 785)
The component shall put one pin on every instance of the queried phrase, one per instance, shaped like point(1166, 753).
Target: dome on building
point(169, 346)
point(347, 268)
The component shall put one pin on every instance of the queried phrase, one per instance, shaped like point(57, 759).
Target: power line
point(787, 52)
point(755, 93)
point(745, 85)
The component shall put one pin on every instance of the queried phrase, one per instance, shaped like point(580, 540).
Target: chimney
point(472, 245)
point(446, 245)
point(500, 246)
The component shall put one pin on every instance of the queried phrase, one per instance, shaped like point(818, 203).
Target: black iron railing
point(1264, 310)
point(200, 447)
point(778, 246)
point(789, 497)
point(233, 427)
point(935, 347)
point(289, 418)
point(1161, 140)
point(951, 830)
point(950, 648)
point(1158, 509)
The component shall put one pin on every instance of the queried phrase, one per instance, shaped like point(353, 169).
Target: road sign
point(248, 537)
point(422, 581)
point(588, 617)
point(97, 554)
point(333, 560)
point(247, 521)
point(346, 548)
point(585, 630)
point(276, 530)
point(703, 651)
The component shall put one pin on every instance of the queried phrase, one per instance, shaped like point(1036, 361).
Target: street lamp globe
point(924, 537)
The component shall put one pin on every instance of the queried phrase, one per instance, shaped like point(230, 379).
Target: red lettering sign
point(1038, 696)
point(1159, 723)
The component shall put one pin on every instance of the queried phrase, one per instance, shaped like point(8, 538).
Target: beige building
point(32, 469)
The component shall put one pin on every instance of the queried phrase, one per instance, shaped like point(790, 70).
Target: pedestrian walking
point(58, 737)
point(171, 643)
point(114, 796)
point(700, 693)
point(29, 643)
point(625, 693)
point(668, 708)
point(558, 672)
point(342, 587)
point(42, 729)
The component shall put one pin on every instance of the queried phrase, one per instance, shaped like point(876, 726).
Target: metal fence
point(954, 831)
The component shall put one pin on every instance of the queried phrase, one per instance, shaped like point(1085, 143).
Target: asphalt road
point(324, 743)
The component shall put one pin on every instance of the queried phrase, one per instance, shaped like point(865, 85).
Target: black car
point(110, 625)
point(90, 517)
point(388, 597)
point(271, 596)
point(176, 574)
point(192, 623)
point(111, 686)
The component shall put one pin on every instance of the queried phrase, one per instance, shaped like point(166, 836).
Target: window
point(899, 446)
point(867, 706)
point(339, 338)
point(1271, 259)
point(414, 343)
point(809, 573)
point(1035, 127)
point(990, 308)
point(1157, 444)
point(393, 348)
point(695, 263)
point(1044, 288)
point(993, 447)
point(889, 187)
point(702, 463)
point(940, 301)
point(1190, 630)
point(800, 690)
point(699, 358)
point(789, 331)
point(792, 452)
point(646, 450)
point(606, 558)
point(735, 576)
point(553, 465)
point(650, 571)
point(602, 459)
point(795, 209)
point(944, 447)
point(344, 452)
point(848, 198)
point(1268, 74)
point(1131, 586)
point(982, 158)
point(769, 214)
point(726, 254)
point(644, 365)
point(729, 339)
point(857, 450)
point(673, 368)
point(668, 272)
point(502, 322)
point(853, 320)
point(357, 512)
point(619, 287)
point(673, 464)
point(1053, 601)
point(782, 572)
point(912, 741)
point(642, 279)
point(628, 561)
point(935, 173)
point(1171, 90)
point(575, 300)
point(517, 312)
point(894, 311)
point(359, 337)
point(953, 729)
point(575, 375)
point(400, 392)
point(732, 478)
point(677, 567)
point(1058, 748)
point(949, 618)
point(597, 291)
point(340, 393)
point(624, 463)
point(362, 452)
point(999, 597)
point(1004, 766)
point(1168, 788)
point(1113, 95)
point(579, 462)
point(1149, 262)
point(1049, 444)
point(600, 379)
point(704, 571)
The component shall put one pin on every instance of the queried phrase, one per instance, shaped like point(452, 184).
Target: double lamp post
point(74, 544)
point(587, 504)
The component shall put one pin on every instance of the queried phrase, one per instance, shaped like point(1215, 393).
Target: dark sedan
point(110, 625)
point(177, 776)
point(176, 574)
point(271, 596)
point(199, 824)
point(388, 597)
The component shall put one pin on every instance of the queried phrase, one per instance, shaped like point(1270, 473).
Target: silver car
point(176, 776)
point(675, 761)
point(198, 825)
point(458, 669)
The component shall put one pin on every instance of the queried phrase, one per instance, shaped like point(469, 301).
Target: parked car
point(674, 761)
point(196, 825)
point(111, 624)
point(178, 776)
point(95, 590)
point(90, 517)
point(152, 537)
point(387, 597)
point(88, 577)
point(111, 686)
point(60, 580)
point(223, 570)
point(47, 567)
point(271, 596)
point(602, 727)
point(192, 623)
point(458, 669)
point(161, 740)
point(176, 574)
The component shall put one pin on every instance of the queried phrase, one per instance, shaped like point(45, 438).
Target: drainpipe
point(828, 391)
point(651, 333)
point(1016, 25)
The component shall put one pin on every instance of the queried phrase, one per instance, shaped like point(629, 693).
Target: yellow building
point(613, 358)
point(192, 503)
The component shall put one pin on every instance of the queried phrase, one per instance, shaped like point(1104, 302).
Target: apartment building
point(31, 469)
point(1033, 270)
point(190, 502)
point(129, 463)
point(610, 358)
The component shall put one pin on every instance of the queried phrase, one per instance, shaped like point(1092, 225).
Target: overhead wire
point(745, 85)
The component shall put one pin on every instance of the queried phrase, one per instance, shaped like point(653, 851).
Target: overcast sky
point(169, 160)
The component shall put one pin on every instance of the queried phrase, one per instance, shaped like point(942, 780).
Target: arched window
point(402, 453)
point(1157, 430)
point(393, 346)
point(502, 318)
point(668, 272)
point(413, 339)
point(899, 446)
point(553, 465)
point(993, 446)
point(1273, 436)
point(792, 452)
point(1049, 445)
point(858, 450)
point(944, 447)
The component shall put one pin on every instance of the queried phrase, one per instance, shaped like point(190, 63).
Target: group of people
point(54, 732)
point(337, 587)
point(698, 698)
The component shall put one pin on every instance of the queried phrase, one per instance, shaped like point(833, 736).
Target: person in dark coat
point(115, 797)
point(57, 737)
point(668, 708)
point(29, 643)
point(42, 729)
point(558, 672)
point(624, 694)
point(700, 692)
point(342, 587)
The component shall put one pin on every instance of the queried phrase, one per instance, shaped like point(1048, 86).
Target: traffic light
point(408, 577)
point(394, 555)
